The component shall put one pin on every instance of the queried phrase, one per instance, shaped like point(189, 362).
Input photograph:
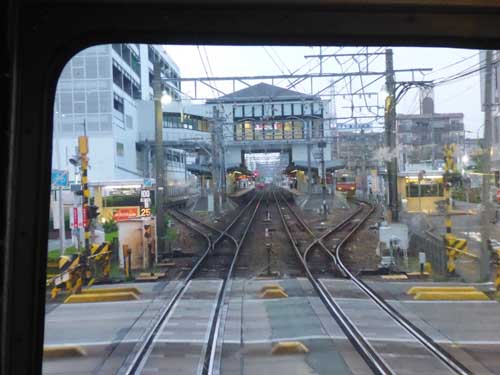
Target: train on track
point(345, 182)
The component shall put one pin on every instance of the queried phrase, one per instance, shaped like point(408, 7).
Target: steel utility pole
point(390, 135)
point(486, 214)
point(159, 164)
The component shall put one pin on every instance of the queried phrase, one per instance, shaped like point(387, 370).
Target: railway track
point(213, 262)
point(344, 232)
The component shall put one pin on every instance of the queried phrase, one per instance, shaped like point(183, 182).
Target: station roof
point(330, 165)
point(263, 91)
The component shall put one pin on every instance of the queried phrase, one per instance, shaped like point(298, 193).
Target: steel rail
point(142, 352)
point(452, 363)
point(326, 233)
point(360, 343)
point(214, 328)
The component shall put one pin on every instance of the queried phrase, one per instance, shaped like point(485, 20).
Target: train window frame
point(45, 34)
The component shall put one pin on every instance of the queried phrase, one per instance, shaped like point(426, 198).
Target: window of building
point(288, 130)
point(268, 130)
point(248, 111)
point(118, 103)
point(248, 127)
point(427, 189)
point(238, 131)
point(257, 111)
point(297, 109)
point(238, 111)
point(259, 131)
point(278, 130)
point(298, 130)
point(287, 109)
point(317, 109)
point(117, 76)
point(120, 149)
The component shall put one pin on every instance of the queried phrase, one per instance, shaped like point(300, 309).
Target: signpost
point(59, 180)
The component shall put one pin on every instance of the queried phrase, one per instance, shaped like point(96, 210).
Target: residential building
point(358, 149)
point(422, 137)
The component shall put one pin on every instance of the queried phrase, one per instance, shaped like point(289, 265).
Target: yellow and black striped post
point(83, 149)
point(448, 238)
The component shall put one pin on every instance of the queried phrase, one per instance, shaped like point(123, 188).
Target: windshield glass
point(253, 209)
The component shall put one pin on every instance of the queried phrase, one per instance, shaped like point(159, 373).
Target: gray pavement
point(251, 326)
point(254, 325)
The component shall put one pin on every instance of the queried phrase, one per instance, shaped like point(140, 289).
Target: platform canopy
point(330, 165)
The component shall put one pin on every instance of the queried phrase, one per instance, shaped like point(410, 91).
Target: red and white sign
point(75, 217)
point(124, 213)
point(498, 195)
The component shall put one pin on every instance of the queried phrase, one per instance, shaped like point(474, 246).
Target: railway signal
point(453, 246)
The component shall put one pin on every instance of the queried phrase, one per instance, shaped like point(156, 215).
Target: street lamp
point(165, 98)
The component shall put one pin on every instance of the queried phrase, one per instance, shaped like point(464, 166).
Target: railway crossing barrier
point(454, 247)
point(71, 270)
point(495, 260)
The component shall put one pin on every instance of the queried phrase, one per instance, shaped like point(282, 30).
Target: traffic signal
point(147, 231)
point(93, 212)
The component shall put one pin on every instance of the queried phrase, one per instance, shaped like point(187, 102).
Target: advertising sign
point(124, 213)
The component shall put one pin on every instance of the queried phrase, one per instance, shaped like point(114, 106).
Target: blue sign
point(354, 126)
point(59, 178)
point(148, 182)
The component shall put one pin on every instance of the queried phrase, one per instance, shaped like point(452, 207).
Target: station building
point(265, 119)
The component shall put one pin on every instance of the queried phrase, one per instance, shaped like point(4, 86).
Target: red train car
point(345, 182)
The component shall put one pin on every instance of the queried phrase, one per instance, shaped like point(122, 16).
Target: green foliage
point(460, 195)
point(110, 236)
point(110, 226)
point(122, 200)
point(53, 255)
point(170, 233)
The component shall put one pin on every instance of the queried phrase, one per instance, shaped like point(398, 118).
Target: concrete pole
point(486, 214)
point(390, 133)
point(60, 201)
point(215, 180)
point(309, 187)
point(159, 163)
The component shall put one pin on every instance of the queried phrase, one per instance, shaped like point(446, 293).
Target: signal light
point(147, 231)
point(93, 212)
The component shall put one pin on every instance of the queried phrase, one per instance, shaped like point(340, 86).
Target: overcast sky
point(457, 96)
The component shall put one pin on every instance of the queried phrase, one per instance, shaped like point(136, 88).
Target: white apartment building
point(99, 92)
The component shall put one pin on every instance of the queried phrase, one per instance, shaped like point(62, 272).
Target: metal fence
point(433, 249)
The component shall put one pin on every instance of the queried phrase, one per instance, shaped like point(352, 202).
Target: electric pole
point(486, 216)
point(215, 182)
point(390, 135)
point(159, 164)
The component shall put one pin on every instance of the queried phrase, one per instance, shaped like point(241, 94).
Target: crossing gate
point(454, 247)
point(495, 259)
point(71, 271)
